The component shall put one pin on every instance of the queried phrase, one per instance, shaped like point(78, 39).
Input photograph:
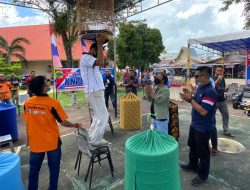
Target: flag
point(86, 44)
point(54, 50)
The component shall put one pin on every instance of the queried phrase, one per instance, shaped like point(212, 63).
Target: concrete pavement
point(228, 171)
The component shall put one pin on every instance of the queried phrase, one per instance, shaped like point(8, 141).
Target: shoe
point(197, 181)
point(215, 152)
point(188, 168)
point(228, 134)
point(103, 142)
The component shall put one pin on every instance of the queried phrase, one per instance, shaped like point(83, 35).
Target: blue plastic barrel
point(10, 172)
point(8, 124)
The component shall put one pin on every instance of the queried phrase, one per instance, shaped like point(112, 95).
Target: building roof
point(39, 48)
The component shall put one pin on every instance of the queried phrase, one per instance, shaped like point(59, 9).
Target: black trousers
point(214, 139)
point(110, 94)
point(199, 155)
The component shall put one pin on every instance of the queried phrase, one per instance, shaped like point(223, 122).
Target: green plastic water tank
point(151, 162)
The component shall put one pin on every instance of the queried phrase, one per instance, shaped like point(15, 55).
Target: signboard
point(68, 79)
point(248, 68)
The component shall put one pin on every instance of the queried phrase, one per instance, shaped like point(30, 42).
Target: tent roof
point(225, 43)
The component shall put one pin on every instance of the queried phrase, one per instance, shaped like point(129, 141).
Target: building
point(38, 52)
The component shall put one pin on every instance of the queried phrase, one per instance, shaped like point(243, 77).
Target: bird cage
point(95, 16)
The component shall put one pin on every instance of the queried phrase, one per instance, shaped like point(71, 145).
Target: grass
point(66, 101)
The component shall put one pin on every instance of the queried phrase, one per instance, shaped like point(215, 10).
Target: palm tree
point(15, 49)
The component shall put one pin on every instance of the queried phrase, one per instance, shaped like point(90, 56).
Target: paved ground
point(228, 171)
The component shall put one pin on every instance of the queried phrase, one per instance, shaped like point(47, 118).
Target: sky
point(178, 20)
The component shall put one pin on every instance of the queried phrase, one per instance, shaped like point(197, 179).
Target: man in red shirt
point(27, 82)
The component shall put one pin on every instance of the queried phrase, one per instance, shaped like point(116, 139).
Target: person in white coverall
point(94, 90)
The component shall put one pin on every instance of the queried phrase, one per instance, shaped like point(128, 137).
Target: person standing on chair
point(41, 114)
point(94, 89)
point(5, 94)
point(109, 84)
point(203, 121)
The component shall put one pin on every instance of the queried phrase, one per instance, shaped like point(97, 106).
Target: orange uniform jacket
point(41, 114)
point(5, 87)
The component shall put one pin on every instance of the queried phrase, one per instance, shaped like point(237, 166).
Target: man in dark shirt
point(131, 84)
point(220, 86)
point(203, 121)
point(109, 84)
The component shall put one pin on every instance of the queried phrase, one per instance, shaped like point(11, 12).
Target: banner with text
point(248, 68)
point(68, 79)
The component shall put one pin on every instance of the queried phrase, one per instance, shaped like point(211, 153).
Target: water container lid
point(6, 106)
point(151, 143)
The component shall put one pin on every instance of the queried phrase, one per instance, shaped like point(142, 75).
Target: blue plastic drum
point(10, 172)
point(8, 121)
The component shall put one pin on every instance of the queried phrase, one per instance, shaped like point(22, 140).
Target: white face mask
point(198, 83)
point(48, 89)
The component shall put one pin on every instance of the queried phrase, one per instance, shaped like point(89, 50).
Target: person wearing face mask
point(5, 93)
point(132, 83)
point(94, 90)
point(160, 103)
point(203, 121)
point(41, 114)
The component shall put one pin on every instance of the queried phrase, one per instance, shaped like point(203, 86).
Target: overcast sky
point(178, 20)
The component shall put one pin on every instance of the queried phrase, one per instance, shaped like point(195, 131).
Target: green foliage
point(118, 76)
point(246, 11)
point(7, 68)
point(138, 45)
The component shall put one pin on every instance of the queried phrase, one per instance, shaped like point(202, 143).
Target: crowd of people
point(9, 89)
point(42, 113)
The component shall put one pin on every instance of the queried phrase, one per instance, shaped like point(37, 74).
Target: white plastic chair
point(21, 99)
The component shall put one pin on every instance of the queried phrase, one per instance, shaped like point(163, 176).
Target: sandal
point(215, 152)
point(228, 134)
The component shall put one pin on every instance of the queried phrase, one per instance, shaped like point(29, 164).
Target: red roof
point(40, 46)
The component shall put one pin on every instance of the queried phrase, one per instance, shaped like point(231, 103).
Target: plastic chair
point(21, 99)
point(95, 155)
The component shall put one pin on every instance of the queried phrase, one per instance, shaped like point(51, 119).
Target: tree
point(138, 45)
point(64, 22)
point(7, 68)
point(246, 11)
point(14, 49)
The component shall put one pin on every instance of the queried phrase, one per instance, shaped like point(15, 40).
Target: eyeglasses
point(197, 76)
